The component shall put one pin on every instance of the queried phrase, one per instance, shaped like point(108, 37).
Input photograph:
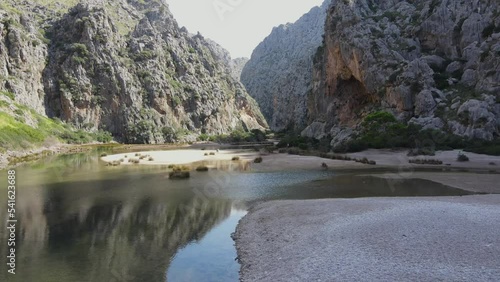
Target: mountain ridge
point(121, 66)
point(279, 72)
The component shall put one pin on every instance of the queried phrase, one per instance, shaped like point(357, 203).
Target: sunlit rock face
point(124, 66)
point(279, 72)
point(433, 63)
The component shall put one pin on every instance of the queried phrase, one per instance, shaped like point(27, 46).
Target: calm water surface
point(82, 221)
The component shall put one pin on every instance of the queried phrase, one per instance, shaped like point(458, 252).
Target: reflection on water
point(82, 221)
point(202, 260)
point(352, 186)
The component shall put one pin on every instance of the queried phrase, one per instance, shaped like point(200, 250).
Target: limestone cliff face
point(237, 66)
point(124, 66)
point(433, 62)
point(279, 72)
point(23, 50)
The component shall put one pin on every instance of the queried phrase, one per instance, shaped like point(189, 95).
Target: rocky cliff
point(237, 66)
point(124, 66)
point(435, 63)
point(279, 72)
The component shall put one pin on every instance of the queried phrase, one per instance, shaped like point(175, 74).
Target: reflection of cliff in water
point(147, 235)
point(94, 238)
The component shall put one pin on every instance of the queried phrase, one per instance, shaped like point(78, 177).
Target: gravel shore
point(372, 239)
point(387, 159)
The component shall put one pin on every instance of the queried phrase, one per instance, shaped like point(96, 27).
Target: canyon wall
point(435, 63)
point(124, 66)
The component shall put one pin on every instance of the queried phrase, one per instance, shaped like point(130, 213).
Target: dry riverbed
point(372, 239)
point(381, 239)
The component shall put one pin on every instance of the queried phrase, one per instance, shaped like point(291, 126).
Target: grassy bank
point(23, 128)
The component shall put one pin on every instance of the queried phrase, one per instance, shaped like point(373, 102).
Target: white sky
point(237, 25)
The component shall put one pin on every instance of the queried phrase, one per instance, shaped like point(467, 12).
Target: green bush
point(79, 60)
point(303, 146)
point(462, 158)
point(140, 132)
point(379, 118)
point(239, 136)
point(180, 168)
point(484, 147)
point(176, 175)
point(144, 55)
point(258, 135)
point(203, 137)
point(77, 137)
point(103, 136)
point(81, 49)
point(292, 141)
point(202, 168)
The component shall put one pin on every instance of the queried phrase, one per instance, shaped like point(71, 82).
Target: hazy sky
point(238, 25)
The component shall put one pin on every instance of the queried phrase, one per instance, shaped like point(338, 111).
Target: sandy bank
point(180, 157)
point(372, 239)
point(279, 162)
point(449, 158)
point(271, 162)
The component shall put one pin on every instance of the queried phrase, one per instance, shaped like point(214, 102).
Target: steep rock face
point(279, 72)
point(237, 66)
point(23, 51)
point(435, 63)
point(125, 66)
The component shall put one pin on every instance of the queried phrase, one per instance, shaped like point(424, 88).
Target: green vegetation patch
point(236, 136)
point(9, 8)
point(57, 5)
point(8, 94)
point(16, 134)
point(381, 130)
point(484, 147)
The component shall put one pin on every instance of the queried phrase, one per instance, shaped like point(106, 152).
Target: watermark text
point(11, 221)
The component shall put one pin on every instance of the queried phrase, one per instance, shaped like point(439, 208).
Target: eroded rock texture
point(435, 63)
point(279, 72)
point(124, 66)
